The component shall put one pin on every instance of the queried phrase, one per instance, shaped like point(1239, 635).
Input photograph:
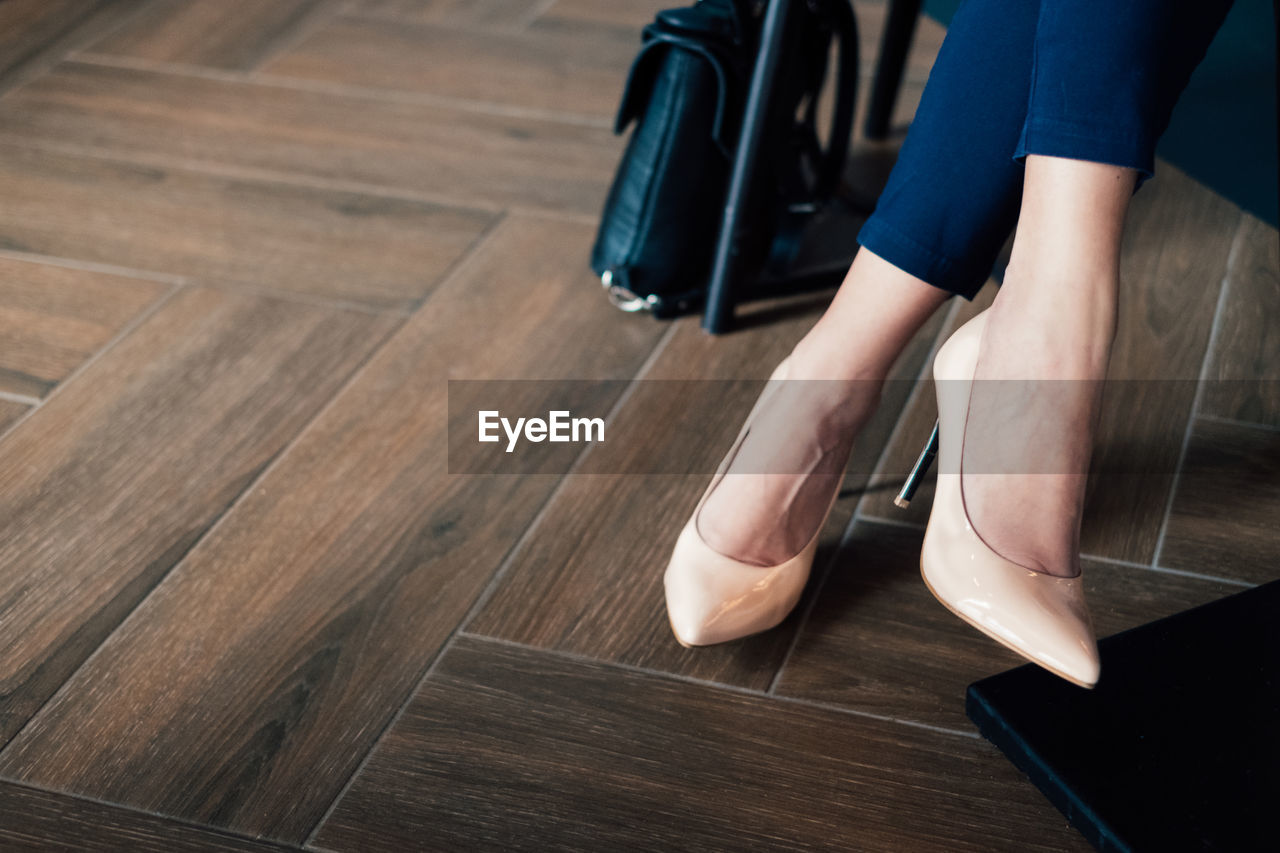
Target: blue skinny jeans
point(1085, 79)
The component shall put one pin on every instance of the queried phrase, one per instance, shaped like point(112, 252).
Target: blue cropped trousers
point(1085, 79)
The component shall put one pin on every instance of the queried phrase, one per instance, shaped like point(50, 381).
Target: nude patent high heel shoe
point(1038, 615)
point(713, 598)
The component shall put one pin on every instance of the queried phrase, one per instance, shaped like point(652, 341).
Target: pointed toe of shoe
point(1083, 668)
point(713, 599)
point(1041, 617)
point(1057, 638)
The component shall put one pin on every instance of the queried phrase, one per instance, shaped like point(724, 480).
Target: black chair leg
point(717, 315)
point(898, 30)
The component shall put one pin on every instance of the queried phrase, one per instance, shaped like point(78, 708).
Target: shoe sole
point(998, 638)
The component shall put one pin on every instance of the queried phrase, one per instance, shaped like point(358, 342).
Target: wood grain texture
point(10, 411)
point(626, 18)
point(35, 821)
point(1177, 242)
point(108, 484)
point(383, 252)
point(878, 641)
point(53, 318)
point(245, 690)
point(27, 26)
point(474, 158)
point(234, 34)
point(507, 748)
point(589, 578)
point(574, 70)
point(482, 14)
point(1176, 246)
point(1243, 379)
point(35, 34)
point(1223, 518)
point(622, 14)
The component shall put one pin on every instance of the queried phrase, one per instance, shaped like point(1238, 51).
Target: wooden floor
point(243, 604)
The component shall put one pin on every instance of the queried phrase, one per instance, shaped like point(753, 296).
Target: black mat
point(1177, 748)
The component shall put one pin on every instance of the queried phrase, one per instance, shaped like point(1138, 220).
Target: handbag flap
point(640, 80)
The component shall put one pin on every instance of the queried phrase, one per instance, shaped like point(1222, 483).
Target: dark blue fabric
point(1086, 79)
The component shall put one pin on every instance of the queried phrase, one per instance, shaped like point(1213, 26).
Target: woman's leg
point(1105, 80)
point(1044, 354)
point(950, 204)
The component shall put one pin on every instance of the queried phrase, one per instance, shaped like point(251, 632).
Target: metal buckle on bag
point(625, 299)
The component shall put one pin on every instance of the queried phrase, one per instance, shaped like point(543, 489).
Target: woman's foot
point(742, 560)
point(1036, 614)
point(744, 557)
point(1033, 409)
point(1037, 389)
point(779, 485)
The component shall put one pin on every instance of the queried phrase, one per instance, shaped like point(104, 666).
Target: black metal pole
point(898, 29)
point(719, 308)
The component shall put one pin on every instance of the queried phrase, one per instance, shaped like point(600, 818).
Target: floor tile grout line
point(231, 171)
point(353, 10)
point(1164, 570)
point(317, 15)
point(1149, 567)
point(214, 524)
point(125, 21)
point(803, 620)
point(95, 267)
point(541, 8)
point(1097, 558)
point(137, 810)
point(24, 80)
point(1205, 363)
point(213, 283)
point(486, 593)
point(308, 841)
point(321, 87)
point(846, 534)
point(405, 310)
point(491, 587)
point(556, 215)
point(719, 685)
point(357, 371)
point(1257, 425)
point(127, 329)
point(455, 269)
point(21, 399)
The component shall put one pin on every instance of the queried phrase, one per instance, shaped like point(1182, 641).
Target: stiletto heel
point(1041, 616)
point(921, 468)
point(714, 598)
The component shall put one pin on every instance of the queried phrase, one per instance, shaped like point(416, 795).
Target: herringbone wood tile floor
point(245, 606)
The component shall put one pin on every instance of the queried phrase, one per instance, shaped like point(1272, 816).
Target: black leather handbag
point(685, 91)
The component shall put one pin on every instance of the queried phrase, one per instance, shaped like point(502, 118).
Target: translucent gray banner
point(648, 427)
